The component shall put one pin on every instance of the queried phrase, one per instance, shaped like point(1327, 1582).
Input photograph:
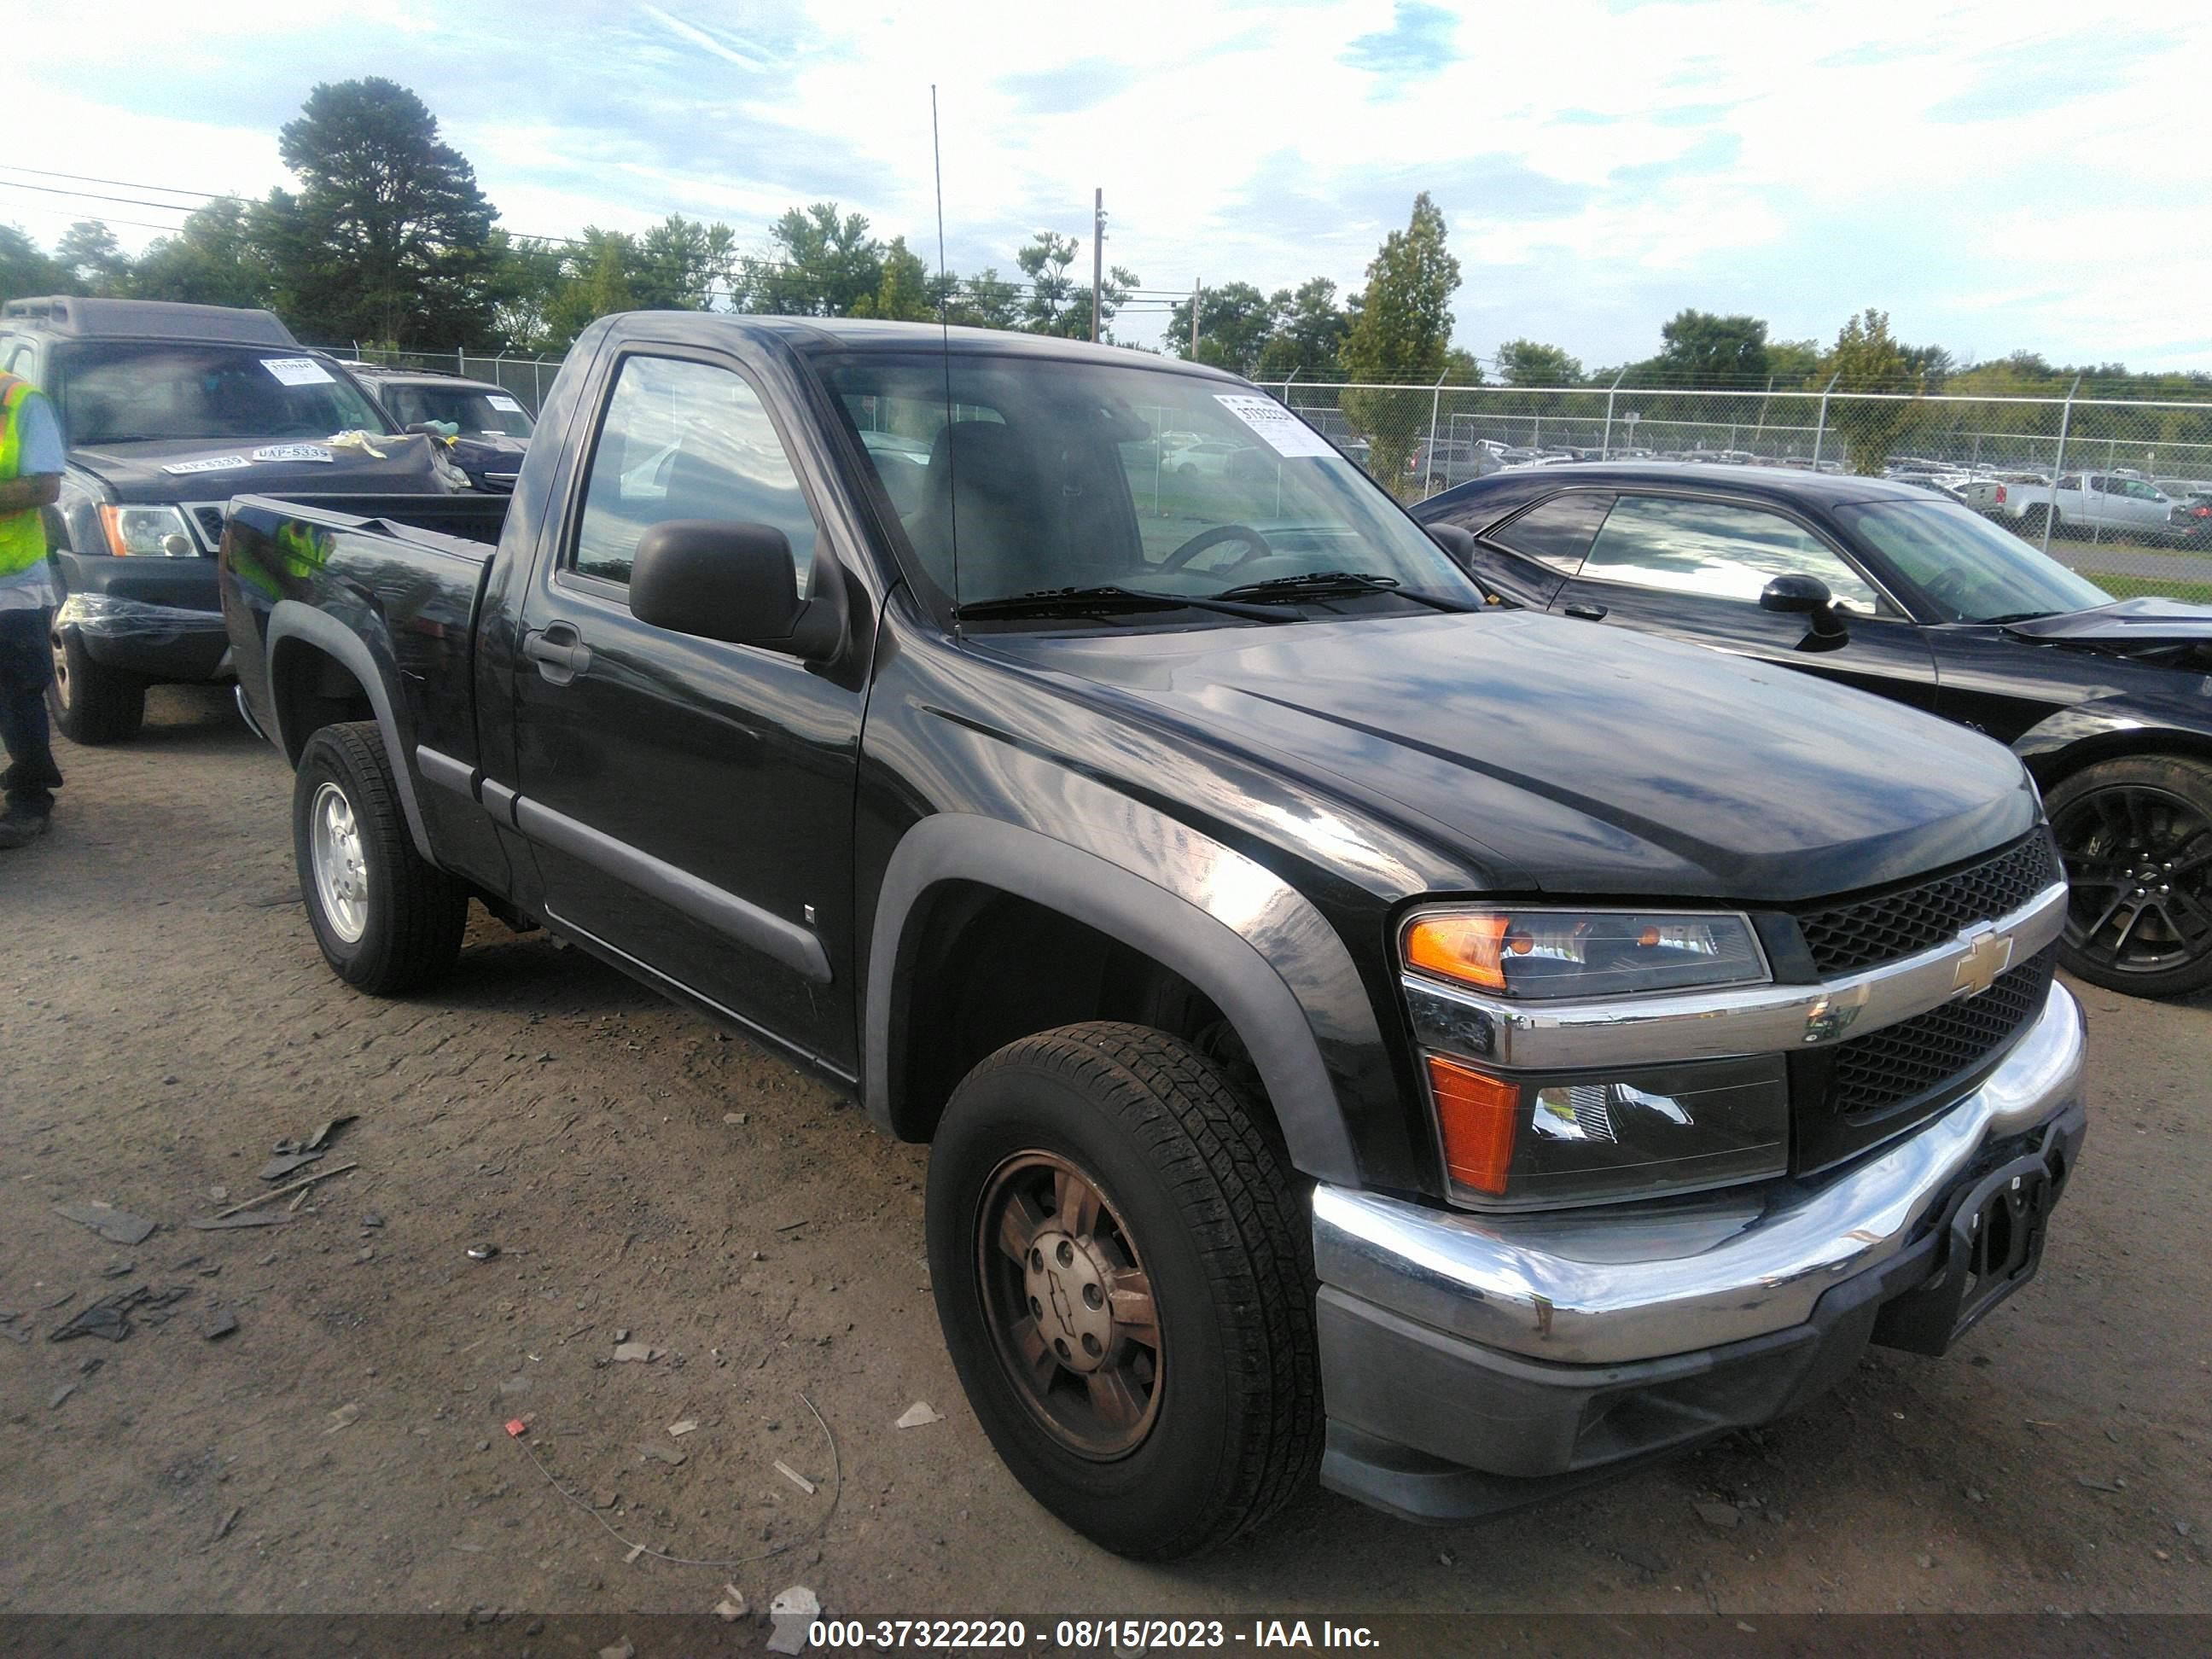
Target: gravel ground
point(165, 1019)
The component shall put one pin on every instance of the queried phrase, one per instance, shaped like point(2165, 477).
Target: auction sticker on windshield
point(1284, 432)
point(293, 453)
point(297, 371)
point(504, 405)
point(209, 463)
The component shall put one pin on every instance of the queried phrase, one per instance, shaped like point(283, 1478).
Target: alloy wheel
point(341, 869)
point(2139, 865)
point(1070, 1305)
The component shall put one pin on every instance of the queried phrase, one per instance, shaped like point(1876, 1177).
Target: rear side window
point(1557, 532)
point(685, 440)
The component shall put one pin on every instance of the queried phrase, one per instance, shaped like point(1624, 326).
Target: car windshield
point(120, 391)
point(478, 411)
point(1971, 569)
point(1061, 474)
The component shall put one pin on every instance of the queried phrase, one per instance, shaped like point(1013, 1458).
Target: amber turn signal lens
point(1476, 1113)
point(1465, 948)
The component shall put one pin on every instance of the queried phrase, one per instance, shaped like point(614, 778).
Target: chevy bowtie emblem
point(1988, 955)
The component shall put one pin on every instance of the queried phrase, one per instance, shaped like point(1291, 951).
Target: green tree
point(1235, 323)
point(984, 300)
point(389, 237)
point(1059, 302)
point(907, 293)
point(597, 284)
point(92, 260)
point(1794, 363)
point(1866, 358)
point(1704, 349)
point(682, 264)
point(1526, 362)
point(1309, 330)
point(25, 270)
point(824, 263)
point(212, 260)
point(1401, 336)
point(526, 276)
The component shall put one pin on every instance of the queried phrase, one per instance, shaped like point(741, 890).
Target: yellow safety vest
point(22, 534)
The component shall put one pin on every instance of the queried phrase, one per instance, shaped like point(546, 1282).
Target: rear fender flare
point(294, 619)
point(1244, 938)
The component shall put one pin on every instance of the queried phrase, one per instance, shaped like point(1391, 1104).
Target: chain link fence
point(2119, 489)
point(524, 378)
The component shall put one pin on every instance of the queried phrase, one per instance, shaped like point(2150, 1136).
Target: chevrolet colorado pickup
point(1360, 1031)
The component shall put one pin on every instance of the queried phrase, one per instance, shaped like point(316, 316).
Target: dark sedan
point(1883, 586)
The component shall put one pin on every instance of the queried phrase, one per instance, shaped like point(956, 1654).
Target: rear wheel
point(388, 921)
point(1120, 1269)
point(92, 703)
point(2136, 833)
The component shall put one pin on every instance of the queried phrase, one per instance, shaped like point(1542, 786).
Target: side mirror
point(734, 582)
point(1457, 543)
point(1808, 596)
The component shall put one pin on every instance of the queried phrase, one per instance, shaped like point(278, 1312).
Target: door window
point(1559, 533)
point(685, 440)
point(1716, 549)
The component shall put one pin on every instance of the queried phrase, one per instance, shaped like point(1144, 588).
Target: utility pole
point(1193, 319)
point(1097, 255)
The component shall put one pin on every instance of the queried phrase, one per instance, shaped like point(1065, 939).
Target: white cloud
point(1973, 167)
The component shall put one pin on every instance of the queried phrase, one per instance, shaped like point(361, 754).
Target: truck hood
point(2129, 622)
point(1575, 759)
point(150, 472)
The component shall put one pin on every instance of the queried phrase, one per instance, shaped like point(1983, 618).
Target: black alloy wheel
point(2136, 836)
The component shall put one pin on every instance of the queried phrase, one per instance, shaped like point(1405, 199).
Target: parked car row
point(168, 411)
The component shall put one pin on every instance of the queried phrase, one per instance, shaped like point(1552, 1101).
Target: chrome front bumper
point(1590, 1287)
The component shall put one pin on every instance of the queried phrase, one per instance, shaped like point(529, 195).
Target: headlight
point(1514, 1139)
point(1515, 1142)
point(1530, 953)
point(148, 533)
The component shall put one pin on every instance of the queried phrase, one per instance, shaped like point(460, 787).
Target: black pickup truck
point(1359, 1030)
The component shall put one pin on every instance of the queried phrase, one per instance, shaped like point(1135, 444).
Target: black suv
point(168, 411)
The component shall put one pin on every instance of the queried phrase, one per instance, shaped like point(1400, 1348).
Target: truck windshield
point(478, 411)
point(120, 391)
point(1971, 569)
point(1036, 475)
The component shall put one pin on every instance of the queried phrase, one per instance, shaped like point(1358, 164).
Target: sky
point(1997, 176)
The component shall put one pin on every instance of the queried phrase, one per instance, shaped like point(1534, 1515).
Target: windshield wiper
point(1104, 601)
point(1333, 584)
point(2016, 616)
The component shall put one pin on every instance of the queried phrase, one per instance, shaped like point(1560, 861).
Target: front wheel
point(2136, 835)
point(1122, 1278)
point(92, 703)
point(388, 921)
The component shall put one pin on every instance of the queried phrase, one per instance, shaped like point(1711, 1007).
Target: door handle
point(1586, 612)
point(559, 653)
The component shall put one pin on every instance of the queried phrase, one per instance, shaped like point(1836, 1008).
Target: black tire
point(90, 703)
point(406, 930)
point(2136, 833)
point(1196, 1196)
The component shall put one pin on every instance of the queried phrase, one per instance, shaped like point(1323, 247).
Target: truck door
point(691, 800)
point(1693, 567)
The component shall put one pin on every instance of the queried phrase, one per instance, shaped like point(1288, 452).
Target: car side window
point(1557, 532)
point(1716, 549)
point(685, 440)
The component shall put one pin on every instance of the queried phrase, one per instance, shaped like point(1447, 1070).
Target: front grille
point(1884, 1069)
point(1845, 938)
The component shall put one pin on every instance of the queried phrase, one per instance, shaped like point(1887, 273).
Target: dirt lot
point(165, 1019)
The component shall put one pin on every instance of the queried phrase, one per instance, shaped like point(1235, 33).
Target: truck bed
point(468, 525)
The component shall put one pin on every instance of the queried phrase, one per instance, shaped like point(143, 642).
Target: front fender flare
point(295, 619)
point(1231, 928)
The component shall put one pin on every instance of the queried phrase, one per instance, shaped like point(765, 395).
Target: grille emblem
point(1987, 955)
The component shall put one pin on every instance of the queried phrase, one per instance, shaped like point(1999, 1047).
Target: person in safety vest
point(31, 461)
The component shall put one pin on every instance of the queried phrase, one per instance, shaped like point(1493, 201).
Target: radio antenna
point(944, 339)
